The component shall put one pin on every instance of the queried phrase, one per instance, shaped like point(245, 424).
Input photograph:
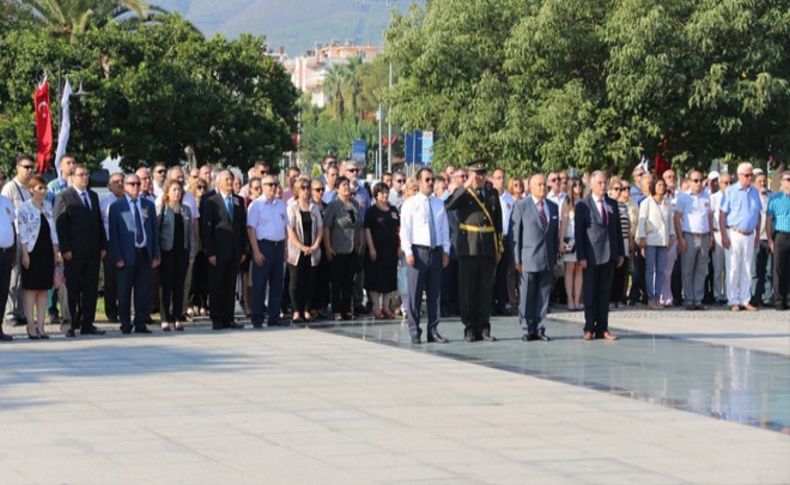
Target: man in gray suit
point(536, 243)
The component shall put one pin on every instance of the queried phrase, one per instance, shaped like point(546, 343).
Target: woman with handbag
point(573, 271)
point(179, 247)
point(656, 235)
point(39, 245)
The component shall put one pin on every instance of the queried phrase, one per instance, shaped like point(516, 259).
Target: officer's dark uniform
point(479, 243)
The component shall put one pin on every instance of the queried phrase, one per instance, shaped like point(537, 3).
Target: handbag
point(570, 244)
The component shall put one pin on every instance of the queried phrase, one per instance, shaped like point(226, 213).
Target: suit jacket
point(80, 230)
point(596, 242)
point(121, 245)
point(221, 237)
point(469, 213)
point(535, 249)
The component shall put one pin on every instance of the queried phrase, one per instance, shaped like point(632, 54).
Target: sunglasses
point(553, 179)
point(160, 171)
point(353, 170)
point(318, 189)
point(270, 184)
point(27, 167)
point(304, 187)
point(616, 189)
point(133, 184)
point(400, 181)
point(428, 180)
point(696, 181)
point(201, 187)
point(748, 175)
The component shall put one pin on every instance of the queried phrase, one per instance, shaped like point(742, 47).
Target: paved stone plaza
point(681, 398)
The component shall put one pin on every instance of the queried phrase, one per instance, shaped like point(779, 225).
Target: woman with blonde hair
point(305, 228)
point(573, 271)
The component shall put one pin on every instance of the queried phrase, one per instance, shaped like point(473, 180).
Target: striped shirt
point(625, 224)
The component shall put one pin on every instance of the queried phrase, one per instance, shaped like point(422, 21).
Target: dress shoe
point(470, 337)
point(257, 325)
point(609, 336)
point(5, 338)
point(235, 326)
point(530, 337)
point(749, 307)
point(588, 336)
point(71, 333)
point(435, 337)
point(92, 330)
point(542, 335)
point(415, 340)
point(701, 307)
point(690, 308)
point(781, 306)
point(217, 327)
point(487, 337)
point(142, 330)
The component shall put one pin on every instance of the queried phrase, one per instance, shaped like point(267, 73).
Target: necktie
point(542, 213)
point(604, 217)
point(85, 201)
point(138, 224)
point(229, 207)
point(431, 225)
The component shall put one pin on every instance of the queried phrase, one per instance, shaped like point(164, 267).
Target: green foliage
point(72, 17)
point(544, 84)
point(153, 92)
point(322, 134)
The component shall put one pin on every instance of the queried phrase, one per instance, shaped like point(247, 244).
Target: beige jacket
point(656, 222)
point(295, 223)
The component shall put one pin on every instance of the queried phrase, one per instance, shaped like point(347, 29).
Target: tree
point(72, 17)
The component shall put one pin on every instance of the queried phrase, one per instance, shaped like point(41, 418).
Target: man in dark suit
point(479, 249)
point(535, 238)
point(134, 250)
point(223, 231)
point(599, 248)
point(82, 243)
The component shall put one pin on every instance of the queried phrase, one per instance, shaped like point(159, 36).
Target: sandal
point(179, 327)
point(165, 327)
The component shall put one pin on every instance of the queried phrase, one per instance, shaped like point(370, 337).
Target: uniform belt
point(468, 228)
point(743, 233)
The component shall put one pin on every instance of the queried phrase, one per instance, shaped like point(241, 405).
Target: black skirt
point(42, 261)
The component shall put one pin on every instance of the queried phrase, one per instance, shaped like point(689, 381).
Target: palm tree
point(71, 17)
point(342, 88)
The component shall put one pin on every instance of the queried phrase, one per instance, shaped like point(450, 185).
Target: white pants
point(739, 268)
point(719, 269)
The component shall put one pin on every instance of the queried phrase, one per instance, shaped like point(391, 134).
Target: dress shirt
point(268, 218)
point(715, 205)
point(104, 207)
point(143, 216)
point(742, 207)
point(361, 195)
point(764, 207)
point(597, 202)
point(507, 201)
point(395, 199)
point(414, 223)
point(695, 213)
point(87, 196)
point(329, 196)
point(7, 216)
point(779, 210)
point(558, 199)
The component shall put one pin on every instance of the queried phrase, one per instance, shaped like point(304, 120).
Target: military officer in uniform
point(480, 246)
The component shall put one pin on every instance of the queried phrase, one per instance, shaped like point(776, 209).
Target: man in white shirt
point(330, 191)
point(7, 251)
point(17, 191)
point(693, 226)
point(159, 174)
point(556, 194)
point(719, 253)
point(266, 230)
point(504, 303)
point(395, 198)
point(425, 240)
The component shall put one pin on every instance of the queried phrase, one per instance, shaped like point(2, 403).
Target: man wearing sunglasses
point(694, 227)
point(739, 222)
point(17, 191)
point(396, 191)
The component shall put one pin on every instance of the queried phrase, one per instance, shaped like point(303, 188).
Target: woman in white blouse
point(39, 245)
point(656, 235)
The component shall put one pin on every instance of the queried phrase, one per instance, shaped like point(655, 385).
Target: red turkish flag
point(43, 127)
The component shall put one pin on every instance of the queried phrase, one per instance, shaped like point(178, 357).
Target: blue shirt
point(742, 207)
point(55, 187)
point(779, 210)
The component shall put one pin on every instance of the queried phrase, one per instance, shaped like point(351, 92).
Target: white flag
point(65, 125)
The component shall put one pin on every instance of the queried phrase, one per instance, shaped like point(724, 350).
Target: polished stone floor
point(726, 382)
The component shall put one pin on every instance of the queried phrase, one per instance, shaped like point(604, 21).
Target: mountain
point(296, 25)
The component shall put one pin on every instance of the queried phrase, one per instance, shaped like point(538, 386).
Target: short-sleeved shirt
point(779, 210)
point(695, 212)
point(742, 207)
point(343, 224)
point(17, 192)
point(7, 216)
point(269, 219)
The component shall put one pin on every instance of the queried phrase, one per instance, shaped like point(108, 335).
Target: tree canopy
point(544, 84)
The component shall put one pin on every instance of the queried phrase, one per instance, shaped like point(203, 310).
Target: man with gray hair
point(693, 225)
point(739, 221)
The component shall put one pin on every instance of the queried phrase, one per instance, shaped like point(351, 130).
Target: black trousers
point(172, 274)
point(82, 283)
point(475, 288)
point(781, 268)
point(200, 284)
point(597, 282)
point(321, 294)
point(110, 290)
point(501, 299)
point(7, 257)
point(300, 284)
point(618, 283)
point(222, 292)
point(449, 296)
point(344, 266)
point(638, 292)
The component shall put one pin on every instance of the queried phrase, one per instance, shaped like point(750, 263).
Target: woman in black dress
point(39, 244)
point(321, 295)
point(381, 265)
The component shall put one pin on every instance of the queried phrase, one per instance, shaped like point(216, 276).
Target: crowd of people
point(184, 243)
